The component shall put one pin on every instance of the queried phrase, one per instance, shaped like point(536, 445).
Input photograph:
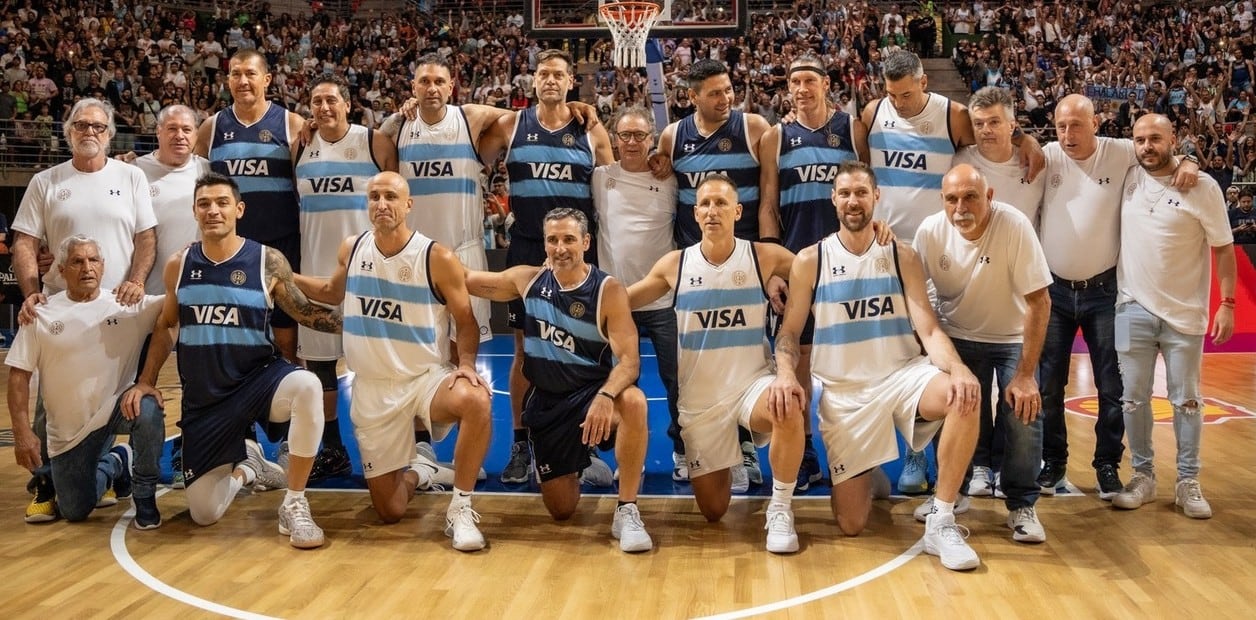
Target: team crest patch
point(63, 194)
point(568, 139)
point(405, 274)
point(610, 183)
point(351, 153)
point(153, 192)
point(944, 263)
point(576, 310)
point(883, 265)
point(739, 278)
point(237, 277)
point(1215, 411)
point(926, 127)
point(833, 140)
point(1129, 190)
point(56, 328)
point(1056, 180)
point(725, 145)
point(265, 135)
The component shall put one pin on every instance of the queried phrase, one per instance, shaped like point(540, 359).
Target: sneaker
point(781, 535)
point(1141, 490)
point(808, 471)
point(629, 530)
point(122, 482)
point(426, 449)
point(460, 526)
point(880, 484)
point(331, 462)
point(1109, 482)
point(267, 476)
point(914, 480)
point(982, 483)
point(147, 517)
point(597, 474)
point(520, 464)
point(998, 486)
point(1025, 525)
point(945, 539)
point(43, 506)
point(750, 458)
point(176, 470)
point(427, 470)
point(110, 498)
point(1190, 498)
point(680, 467)
point(282, 457)
point(298, 525)
point(177, 481)
point(1051, 476)
point(740, 479)
point(925, 509)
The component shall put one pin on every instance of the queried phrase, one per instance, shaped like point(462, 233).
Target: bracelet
point(606, 394)
point(1191, 158)
point(776, 240)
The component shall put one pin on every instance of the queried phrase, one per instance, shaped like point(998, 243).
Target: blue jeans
point(1092, 309)
point(660, 327)
point(1139, 336)
point(1022, 443)
point(83, 473)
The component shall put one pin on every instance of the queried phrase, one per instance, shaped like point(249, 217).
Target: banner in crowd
point(1115, 93)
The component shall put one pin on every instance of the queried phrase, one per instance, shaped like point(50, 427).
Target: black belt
point(1077, 285)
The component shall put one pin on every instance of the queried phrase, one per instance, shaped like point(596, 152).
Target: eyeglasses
point(633, 136)
point(89, 128)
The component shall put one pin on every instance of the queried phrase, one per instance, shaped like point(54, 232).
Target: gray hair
point(990, 96)
point(80, 107)
point(900, 64)
point(71, 242)
point(637, 111)
point(171, 110)
point(563, 213)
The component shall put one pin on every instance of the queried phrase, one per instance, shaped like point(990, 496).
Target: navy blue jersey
point(548, 170)
point(695, 156)
point(258, 158)
point(563, 345)
point(808, 163)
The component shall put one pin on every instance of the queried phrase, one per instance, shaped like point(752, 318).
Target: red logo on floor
point(1215, 411)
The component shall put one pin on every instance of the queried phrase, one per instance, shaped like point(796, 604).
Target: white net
point(630, 24)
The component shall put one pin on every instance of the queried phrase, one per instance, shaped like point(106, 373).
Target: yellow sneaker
point(43, 507)
point(110, 498)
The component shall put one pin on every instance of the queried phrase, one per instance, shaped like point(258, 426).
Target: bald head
point(1154, 143)
point(387, 203)
point(966, 197)
point(1076, 126)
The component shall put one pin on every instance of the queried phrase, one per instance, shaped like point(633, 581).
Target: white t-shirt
point(100, 342)
point(1081, 208)
point(1008, 180)
point(172, 191)
point(110, 205)
point(1165, 241)
point(981, 285)
point(635, 213)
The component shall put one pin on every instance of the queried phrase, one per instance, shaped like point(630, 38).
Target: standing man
point(403, 289)
point(642, 208)
point(581, 360)
point(1243, 219)
point(725, 363)
point(251, 142)
point(872, 315)
point(219, 294)
point(1162, 301)
point(172, 171)
point(332, 173)
point(990, 277)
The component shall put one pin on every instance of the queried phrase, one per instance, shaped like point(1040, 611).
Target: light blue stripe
point(691, 300)
point(546, 311)
point(744, 195)
point(539, 153)
point(249, 185)
point(324, 203)
point(444, 185)
point(249, 150)
point(370, 327)
point(896, 177)
point(807, 192)
point(704, 162)
point(310, 170)
point(209, 335)
point(370, 286)
point(722, 338)
point(856, 289)
point(544, 349)
point(862, 331)
point(218, 295)
point(805, 155)
point(543, 188)
point(422, 152)
point(887, 141)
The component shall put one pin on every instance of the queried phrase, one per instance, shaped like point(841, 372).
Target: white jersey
point(981, 285)
point(110, 205)
point(444, 173)
point(721, 311)
point(1165, 240)
point(863, 330)
point(1081, 208)
point(910, 156)
point(1008, 180)
point(82, 400)
point(172, 191)
point(331, 180)
point(395, 325)
point(637, 211)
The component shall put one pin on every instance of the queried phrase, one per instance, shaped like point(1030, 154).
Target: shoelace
point(299, 515)
point(1026, 514)
point(425, 482)
point(631, 520)
point(779, 522)
point(953, 534)
point(1193, 491)
point(466, 513)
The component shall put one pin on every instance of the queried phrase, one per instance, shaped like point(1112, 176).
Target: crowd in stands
point(1192, 61)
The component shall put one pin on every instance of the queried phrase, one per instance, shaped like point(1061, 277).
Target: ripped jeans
point(1139, 336)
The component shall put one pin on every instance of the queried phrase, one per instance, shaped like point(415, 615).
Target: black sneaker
point(147, 517)
point(331, 462)
point(520, 464)
point(1109, 482)
point(122, 483)
point(808, 471)
point(1051, 477)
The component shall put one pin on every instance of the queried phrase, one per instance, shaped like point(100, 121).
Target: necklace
point(1151, 197)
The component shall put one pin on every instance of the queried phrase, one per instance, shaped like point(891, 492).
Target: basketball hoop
point(630, 24)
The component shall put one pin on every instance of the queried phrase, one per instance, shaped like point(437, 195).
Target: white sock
point(459, 499)
point(943, 508)
point(293, 496)
point(782, 494)
point(250, 476)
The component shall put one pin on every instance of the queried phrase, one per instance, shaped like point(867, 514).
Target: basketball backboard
point(563, 19)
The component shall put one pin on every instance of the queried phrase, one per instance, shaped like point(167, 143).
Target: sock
point(782, 494)
point(250, 476)
point(621, 504)
point(422, 435)
point(521, 435)
point(293, 496)
point(943, 508)
point(331, 434)
point(459, 499)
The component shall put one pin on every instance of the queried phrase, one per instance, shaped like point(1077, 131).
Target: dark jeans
point(660, 327)
point(82, 474)
point(1093, 310)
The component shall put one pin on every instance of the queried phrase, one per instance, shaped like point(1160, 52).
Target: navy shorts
point(553, 422)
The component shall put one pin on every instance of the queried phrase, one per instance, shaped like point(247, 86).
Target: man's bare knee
point(851, 525)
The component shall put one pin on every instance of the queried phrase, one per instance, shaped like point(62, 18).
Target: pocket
point(1121, 329)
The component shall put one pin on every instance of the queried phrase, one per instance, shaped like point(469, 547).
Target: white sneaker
point(945, 539)
point(267, 476)
point(980, 485)
point(680, 467)
point(460, 525)
point(298, 525)
point(1140, 490)
point(998, 486)
point(741, 479)
point(628, 529)
point(925, 509)
point(427, 470)
point(1190, 498)
point(880, 484)
point(750, 458)
point(1025, 525)
point(781, 535)
point(424, 448)
point(597, 474)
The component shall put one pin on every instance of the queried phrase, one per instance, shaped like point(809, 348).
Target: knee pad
point(325, 370)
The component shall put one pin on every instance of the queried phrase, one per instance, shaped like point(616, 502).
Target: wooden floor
point(1097, 563)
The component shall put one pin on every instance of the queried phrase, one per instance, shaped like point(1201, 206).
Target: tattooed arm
point(290, 298)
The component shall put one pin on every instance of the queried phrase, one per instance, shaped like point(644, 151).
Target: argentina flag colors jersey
point(258, 158)
point(727, 150)
point(910, 157)
point(564, 347)
point(808, 163)
point(548, 170)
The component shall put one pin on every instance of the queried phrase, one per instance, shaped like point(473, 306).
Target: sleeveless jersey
point(224, 318)
point(910, 156)
point(331, 180)
point(563, 345)
point(721, 311)
point(548, 170)
point(257, 157)
point(395, 323)
point(727, 150)
point(443, 169)
point(808, 163)
point(863, 331)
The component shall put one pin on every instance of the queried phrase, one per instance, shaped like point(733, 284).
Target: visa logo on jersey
point(868, 308)
point(694, 178)
point(556, 335)
point(553, 172)
point(248, 167)
point(726, 317)
point(216, 315)
point(431, 168)
point(817, 173)
point(332, 185)
point(381, 309)
point(906, 160)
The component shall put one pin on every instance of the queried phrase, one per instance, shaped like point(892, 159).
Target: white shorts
point(383, 413)
point(858, 425)
point(473, 256)
point(316, 346)
point(710, 436)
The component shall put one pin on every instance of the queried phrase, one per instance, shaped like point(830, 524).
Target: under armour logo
point(547, 292)
point(1104, 181)
point(695, 464)
point(196, 274)
point(984, 260)
point(1023, 181)
point(839, 469)
point(689, 148)
point(1174, 203)
point(888, 124)
point(228, 135)
point(795, 141)
point(695, 281)
point(368, 266)
point(839, 270)
point(115, 192)
point(544, 468)
point(111, 321)
point(654, 188)
point(313, 154)
point(533, 137)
